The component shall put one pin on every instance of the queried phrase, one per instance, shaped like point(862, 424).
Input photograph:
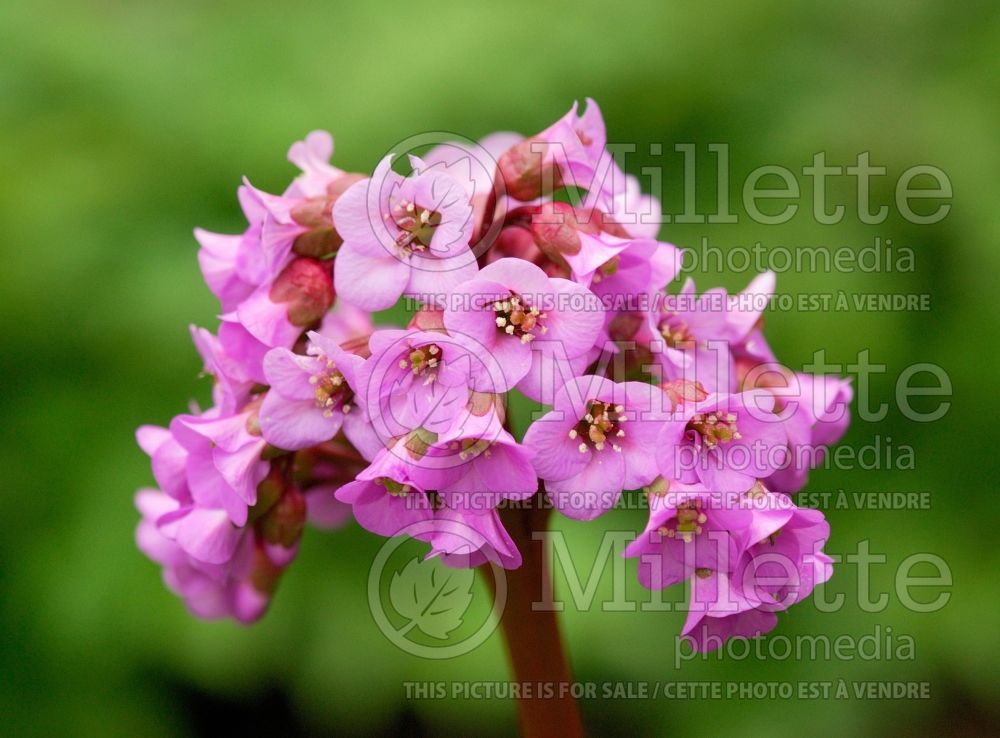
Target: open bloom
point(695, 336)
point(725, 442)
point(599, 439)
point(781, 566)
point(311, 396)
point(223, 464)
point(423, 379)
point(511, 304)
point(297, 221)
point(383, 497)
point(402, 236)
point(475, 465)
point(690, 528)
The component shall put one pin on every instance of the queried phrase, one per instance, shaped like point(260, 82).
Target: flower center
point(394, 488)
point(714, 428)
point(416, 226)
point(686, 523)
point(331, 389)
point(602, 421)
point(423, 361)
point(675, 332)
point(515, 318)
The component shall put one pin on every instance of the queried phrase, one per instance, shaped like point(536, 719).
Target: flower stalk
point(533, 638)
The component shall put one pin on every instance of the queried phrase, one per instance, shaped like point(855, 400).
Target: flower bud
point(624, 326)
point(283, 523)
point(525, 173)
point(555, 231)
point(306, 285)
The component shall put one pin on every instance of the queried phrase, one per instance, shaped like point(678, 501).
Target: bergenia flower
point(463, 539)
point(298, 220)
point(694, 336)
point(402, 235)
point(815, 413)
point(384, 499)
point(511, 304)
point(780, 568)
point(522, 285)
point(311, 396)
point(224, 464)
point(726, 442)
point(690, 528)
point(475, 465)
point(423, 379)
point(599, 439)
point(708, 626)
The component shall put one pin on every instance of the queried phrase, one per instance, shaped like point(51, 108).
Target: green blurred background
point(124, 125)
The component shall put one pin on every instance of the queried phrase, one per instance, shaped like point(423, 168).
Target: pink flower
point(511, 304)
point(298, 220)
point(783, 567)
point(402, 236)
point(690, 528)
point(169, 460)
point(815, 411)
point(599, 439)
point(384, 499)
point(233, 385)
point(780, 568)
point(423, 379)
point(725, 442)
point(311, 396)
point(473, 165)
point(224, 464)
point(224, 258)
point(220, 570)
point(463, 539)
point(276, 315)
point(474, 465)
point(695, 336)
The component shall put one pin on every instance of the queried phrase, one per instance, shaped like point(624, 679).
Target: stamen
point(714, 431)
point(601, 421)
point(515, 318)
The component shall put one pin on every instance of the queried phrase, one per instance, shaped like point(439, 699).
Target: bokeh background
point(124, 125)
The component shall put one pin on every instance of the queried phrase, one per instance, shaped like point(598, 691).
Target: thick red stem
point(534, 642)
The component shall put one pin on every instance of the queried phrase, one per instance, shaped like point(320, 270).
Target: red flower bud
point(307, 286)
point(525, 173)
point(283, 523)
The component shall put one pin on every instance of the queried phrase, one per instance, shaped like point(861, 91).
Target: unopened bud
point(556, 231)
point(624, 326)
point(283, 523)
point(313, 212)
point(525, 173)
point(307, 286)
point(268, 493)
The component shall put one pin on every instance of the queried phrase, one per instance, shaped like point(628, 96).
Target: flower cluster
point(543, 277)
